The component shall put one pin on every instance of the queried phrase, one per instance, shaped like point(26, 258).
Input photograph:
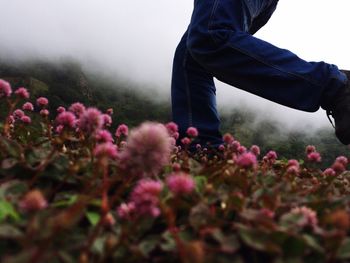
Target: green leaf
point(146, 246)
point(64, 203)
point(168, 242)
point(344, 250)
point(93, 217)
point(312, 243)
point(201, 182)
point(7, 210)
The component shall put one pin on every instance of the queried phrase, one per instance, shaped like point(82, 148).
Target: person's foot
point(341, 112)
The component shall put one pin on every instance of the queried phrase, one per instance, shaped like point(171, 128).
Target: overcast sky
point(137, 38)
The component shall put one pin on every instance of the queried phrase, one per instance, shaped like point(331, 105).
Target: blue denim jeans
point(219, 43)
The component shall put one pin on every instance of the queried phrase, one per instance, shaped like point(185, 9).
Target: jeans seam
point(210, 21)
point(271, 65)
point(188, 93)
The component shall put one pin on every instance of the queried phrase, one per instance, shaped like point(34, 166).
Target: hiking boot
point(341, 112)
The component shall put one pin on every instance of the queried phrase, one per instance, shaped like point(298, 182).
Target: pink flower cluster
point(293, 167)
point(339, 165)
point(312, 155)
point(246, 160)
point(180, 183)
point(148, 149)
point(270, 158)
point(145, 197)
point(22, 93)
point(90, 120)
point(5, 89)
point(106, 149)
point(122, 130)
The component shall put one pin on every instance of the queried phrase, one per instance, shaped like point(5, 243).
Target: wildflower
point(192, 132)
point(107, 120)
point(338, 167)
point(270, 157)
point(293, 170)
point(106, 149)
point(228, 138)
point(221, 147)
point(148, 149)
point(241, 149)
point(22, 93)
point(33, 201)
point(185, 141)
point(28, 106)
point(246, 160)
point(310, 149)
point(180, 183)
point(255, 150)
point(11, 119)
point(176, 135)
point(172, 128)
point(42, 102)
point(104, 136)
point(235, 145)
point(309, 216)
point(109, 220)
point(126, 210)
point(90, 120)
point(329, 172)
point(77, 108)
point(44, 112)
point(59, 129)
point(122, 130)
point(66, 119)
point(26, 119)
point(176, 167)
point(17, 114)
point(343, 160)
point(293, 162)
point(5, 89)
point(314, 157)
point(145, 196)
point(61, 109)
point(198, 146)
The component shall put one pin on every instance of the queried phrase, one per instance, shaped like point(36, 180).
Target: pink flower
point(104, 136)
point(148, 149)
point(270, 157)
point(172, 128)
point(90, 120)
point(22, 93)
point(338, 167)
point(192, 132)
point(5, 89)
point(309, 216)
point(241, 149)
point(176, 135)
point(228, 138)
point(255, 150)
point(77, 108)
point(28, 106)
point(11, 119)
point(186, 141)
point(106, 149)
point(26, 119)
point(145, 196)
point(44, 112)
point(33, 201)
point(180, 183)
point(293, 170)
point(61, 109)
point(107, 120)
point(66, 119)
point(42, 102)
point(126, 210)
point(309, 149)
point(329, 172)
point(17, 114)
point(235, 145)
point(293, 162)
point(343, 160)
point(221, 147)
point(109, 220)
point(122, 130)
point(246, 160)
point(176, 167)
point(314, 157)
point(59, 129)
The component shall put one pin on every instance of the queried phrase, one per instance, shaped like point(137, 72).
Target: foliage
point(72, 192)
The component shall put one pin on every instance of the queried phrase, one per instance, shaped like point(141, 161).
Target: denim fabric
point(219, 43)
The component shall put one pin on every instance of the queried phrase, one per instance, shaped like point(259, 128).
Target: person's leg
point(219, 40)
point(193, 97)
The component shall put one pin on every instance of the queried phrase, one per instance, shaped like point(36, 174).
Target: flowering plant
point(72, 190)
